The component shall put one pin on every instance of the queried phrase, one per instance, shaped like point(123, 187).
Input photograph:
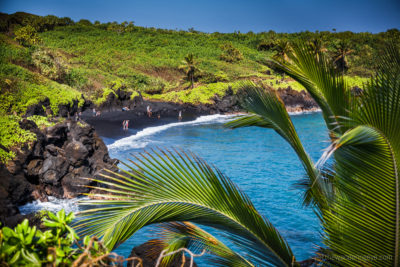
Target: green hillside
point(94, 59)
point(63, 60)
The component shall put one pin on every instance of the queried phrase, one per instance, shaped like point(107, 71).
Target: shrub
point(230, 53)
point(49, 65)
point(41, 121)
point(84, 22)
point(265, 45)
point(27, 36)
point(28, 246)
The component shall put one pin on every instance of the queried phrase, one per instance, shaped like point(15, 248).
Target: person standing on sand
point(126, 125)
point(94, 112)
point(180, 115)
point(149, 111)
point(123, 125)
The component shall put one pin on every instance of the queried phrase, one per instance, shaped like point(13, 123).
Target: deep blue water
point(258, 160)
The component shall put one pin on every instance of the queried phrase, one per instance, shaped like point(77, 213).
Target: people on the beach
point(125, 125)
point(149, 111)
point(125, 108)
point(98, 113)
point(180, 115)
point(94, 112)
point(158, 116)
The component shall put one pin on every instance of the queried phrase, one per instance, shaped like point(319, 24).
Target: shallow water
point(258, 160)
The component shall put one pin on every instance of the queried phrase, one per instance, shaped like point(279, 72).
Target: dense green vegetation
point(29, 246)
point(12, 136)
point(90, 58)
point(63, 60)
point(353, 188)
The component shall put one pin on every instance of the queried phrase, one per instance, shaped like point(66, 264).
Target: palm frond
point(267, 110)
point(165, 186)
point(326, 86)
point(379, 105)
point(192, 237)
point(362, 227)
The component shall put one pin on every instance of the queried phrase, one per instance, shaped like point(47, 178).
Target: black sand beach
point(109, 124)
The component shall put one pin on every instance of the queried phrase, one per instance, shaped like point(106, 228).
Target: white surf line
point(54, 204)
point(128, 142)
point(305, 112)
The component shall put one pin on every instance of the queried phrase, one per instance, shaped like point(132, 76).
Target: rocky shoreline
point(51, 166)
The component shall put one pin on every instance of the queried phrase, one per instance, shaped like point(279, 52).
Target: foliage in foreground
point(355, 196)
point(57, 246)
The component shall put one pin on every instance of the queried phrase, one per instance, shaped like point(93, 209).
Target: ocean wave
point(54, 204)
point(304, 112)
point(132, 141)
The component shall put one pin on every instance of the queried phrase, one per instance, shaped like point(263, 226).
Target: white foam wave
point(132, 141)
point(304, 112)
point(53, 205)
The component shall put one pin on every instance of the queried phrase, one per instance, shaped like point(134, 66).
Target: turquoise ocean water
point(258, 160)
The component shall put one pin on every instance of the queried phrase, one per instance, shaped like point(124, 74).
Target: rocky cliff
point(53, 165)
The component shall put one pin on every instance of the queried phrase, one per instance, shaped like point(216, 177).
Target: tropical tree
point(282, 50)
point(189, 67)
point(355, 195)
point(318, 45)
point(343, 49)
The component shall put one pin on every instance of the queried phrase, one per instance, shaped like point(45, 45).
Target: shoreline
point(109, 124)
point(145, 123)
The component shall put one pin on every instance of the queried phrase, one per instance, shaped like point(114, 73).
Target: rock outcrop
point(150, 251)
point(53, 165)
point(43, 108)
point(297, 101)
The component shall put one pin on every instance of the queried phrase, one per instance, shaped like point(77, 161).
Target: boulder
point(52, 166)
point(149, 253)
point(37, 109)
point(76, 153)
point(57, 134)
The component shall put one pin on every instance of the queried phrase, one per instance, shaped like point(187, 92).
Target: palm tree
point(189, 67)
point(343, 49)
point(356, 196)
point(318, 46)
point(282, 49)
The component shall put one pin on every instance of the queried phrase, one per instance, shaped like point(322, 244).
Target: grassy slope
point(149, 59)
point(97, 61)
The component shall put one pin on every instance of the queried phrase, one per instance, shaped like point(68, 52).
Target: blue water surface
point(258, 160)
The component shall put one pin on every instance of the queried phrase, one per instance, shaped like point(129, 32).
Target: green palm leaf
point(362, 227)
point(170, 186)
point(322, 81)
point(192, 237)
point(268, 111)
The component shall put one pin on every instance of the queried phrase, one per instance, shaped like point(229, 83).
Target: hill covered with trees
point(72, 62)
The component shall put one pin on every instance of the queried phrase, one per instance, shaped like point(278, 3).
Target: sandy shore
point(109, 124)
